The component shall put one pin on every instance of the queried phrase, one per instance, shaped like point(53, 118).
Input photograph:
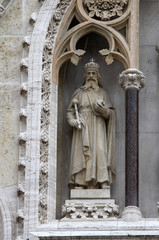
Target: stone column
point(131, 80)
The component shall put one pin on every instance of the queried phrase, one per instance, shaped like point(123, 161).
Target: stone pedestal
point(90, 204)
point(90, 209)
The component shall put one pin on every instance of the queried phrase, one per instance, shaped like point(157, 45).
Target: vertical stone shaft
point(132, 81)
point(131, 198)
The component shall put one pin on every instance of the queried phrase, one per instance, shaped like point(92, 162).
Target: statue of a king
point(92, 117)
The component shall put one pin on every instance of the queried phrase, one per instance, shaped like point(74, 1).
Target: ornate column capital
point(132, 78)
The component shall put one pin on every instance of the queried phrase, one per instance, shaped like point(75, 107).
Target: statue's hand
point(74, 122)
point(101, 107)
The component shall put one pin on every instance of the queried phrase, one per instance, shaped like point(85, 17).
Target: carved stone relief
point(45, 113)
point(105, 10)
point(87, 210)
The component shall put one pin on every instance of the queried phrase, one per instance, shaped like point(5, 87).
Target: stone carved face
point(91, 75)
point(91, 79)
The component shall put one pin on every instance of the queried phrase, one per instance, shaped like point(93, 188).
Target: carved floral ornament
point(105, 9)
point(88, 211)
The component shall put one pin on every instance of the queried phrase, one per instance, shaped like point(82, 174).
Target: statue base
point(90, 209)
point(90, 193)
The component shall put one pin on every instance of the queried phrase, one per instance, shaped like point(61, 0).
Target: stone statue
point(92, 117)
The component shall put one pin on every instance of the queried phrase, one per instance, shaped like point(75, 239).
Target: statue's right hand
point(73, 122)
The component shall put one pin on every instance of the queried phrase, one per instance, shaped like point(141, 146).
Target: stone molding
point(98, 229)
point(132, 78)
point(46, 106)
point(39, 116)
point(26, 171)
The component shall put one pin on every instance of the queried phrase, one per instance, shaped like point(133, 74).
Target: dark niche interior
point(71, 78)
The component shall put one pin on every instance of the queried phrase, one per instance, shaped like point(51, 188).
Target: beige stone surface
point(11, 24)
point(10, 56)
point(29, 8)
point(9, 118)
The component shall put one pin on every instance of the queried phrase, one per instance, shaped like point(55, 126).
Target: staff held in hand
point(75, 103)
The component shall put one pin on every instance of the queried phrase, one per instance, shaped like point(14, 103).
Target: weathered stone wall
point(13, 28)
point(149, 109)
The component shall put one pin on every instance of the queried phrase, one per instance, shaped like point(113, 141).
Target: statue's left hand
point(101, 107)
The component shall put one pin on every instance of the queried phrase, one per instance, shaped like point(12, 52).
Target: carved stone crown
point(91, 65)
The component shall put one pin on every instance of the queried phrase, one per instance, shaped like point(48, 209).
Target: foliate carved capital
point(131, 78)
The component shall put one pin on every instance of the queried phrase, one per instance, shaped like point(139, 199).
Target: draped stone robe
point(93, 147)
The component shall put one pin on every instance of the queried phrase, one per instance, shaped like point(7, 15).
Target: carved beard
point(91, 84)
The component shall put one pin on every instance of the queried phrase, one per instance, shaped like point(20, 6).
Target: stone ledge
point(103, 229)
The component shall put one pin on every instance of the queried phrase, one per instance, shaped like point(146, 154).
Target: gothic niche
point(98, 30)
point(71, 78)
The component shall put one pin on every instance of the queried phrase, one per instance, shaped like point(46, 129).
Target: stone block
point(90, 193)
point(10, 56)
